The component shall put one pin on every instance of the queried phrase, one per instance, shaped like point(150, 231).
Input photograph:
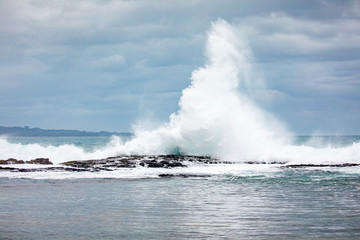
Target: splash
point(215, 118)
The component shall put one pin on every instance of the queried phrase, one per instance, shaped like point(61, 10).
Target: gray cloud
point(97, 65)
point(312, 59)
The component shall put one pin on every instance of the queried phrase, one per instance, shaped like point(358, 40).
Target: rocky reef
point(43, 161)
point(133, 161)
point(321, 165)
point(112, 163)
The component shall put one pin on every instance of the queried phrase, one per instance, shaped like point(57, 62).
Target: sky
point(105, 65)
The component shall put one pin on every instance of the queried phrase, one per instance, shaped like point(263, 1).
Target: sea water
point(87, 143)
point(291, 204)
point(218, 117)
point(237, 201)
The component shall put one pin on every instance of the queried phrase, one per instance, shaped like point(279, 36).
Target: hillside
point(38, 132)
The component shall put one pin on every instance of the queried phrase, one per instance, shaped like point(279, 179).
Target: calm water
point(296, 204)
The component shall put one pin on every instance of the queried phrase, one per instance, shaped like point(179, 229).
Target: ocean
point(219, 201)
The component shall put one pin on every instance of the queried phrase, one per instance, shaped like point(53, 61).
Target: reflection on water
point(296, 204)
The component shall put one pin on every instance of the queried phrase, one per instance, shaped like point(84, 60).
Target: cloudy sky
point(104, 65)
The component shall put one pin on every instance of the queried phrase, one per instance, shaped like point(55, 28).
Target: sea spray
point(215, 118)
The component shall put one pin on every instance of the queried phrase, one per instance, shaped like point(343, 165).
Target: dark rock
point(256, 162)
point(11, 161)
point(176, 164)
point(7, 168)
point(113, 163)
point(184, 175)
point(156, 165)
point(47, 169)
point(162, 164)
point(321, 165)
point(43, 161)
point(26, 170)
point(70, 169)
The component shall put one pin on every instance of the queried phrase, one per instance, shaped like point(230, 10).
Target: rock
point(176, 164)
point(155, 164)
point(11, 161)
point(162, 164)
point(321, 165)
point(184, 175)
point(43, 161)
point(7, 168)
point(113, 163)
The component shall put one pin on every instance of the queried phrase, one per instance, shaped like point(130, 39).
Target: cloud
point(312, 66)
point(294, 36)
point(85, 55)
point(311, 52)
point(113, 62)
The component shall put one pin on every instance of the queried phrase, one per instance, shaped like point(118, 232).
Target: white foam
point(194, 171)
point(56, 154)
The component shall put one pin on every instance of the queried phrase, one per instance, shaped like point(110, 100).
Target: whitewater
point(217, 117)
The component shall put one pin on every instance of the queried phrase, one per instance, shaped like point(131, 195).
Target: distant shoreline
point(39, 132)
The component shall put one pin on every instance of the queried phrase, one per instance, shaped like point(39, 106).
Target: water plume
point(214, 117)
point(217, 117)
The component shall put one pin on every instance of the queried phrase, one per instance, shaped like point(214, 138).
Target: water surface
point(295, 204)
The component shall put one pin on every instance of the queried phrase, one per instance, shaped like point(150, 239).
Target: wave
point(216, 117)
point(57, 154)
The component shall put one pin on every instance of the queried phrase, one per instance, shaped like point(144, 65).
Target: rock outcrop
point(11, 161)
point(43, 161)
point(140, 161)
point(113, 163)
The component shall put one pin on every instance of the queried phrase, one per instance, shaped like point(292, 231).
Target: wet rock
point(7, 168)
point(162, 164)
point(113, 163)
point(103, 163)
point(155, 164)
point(46, 169)
point(321, 165)
point(43, 161)
point(184, 175)
point(11, 161)
point(176, 164)
point(255, 162)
